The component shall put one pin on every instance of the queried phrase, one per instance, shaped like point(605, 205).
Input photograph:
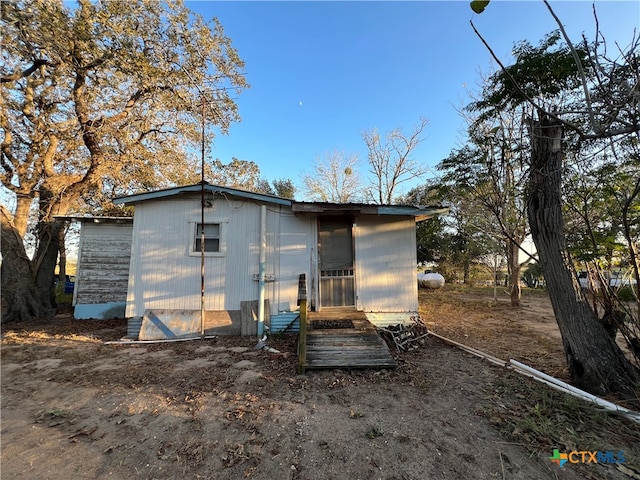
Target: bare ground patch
point(73, 407)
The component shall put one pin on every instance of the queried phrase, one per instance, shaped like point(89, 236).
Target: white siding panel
point(386, 264)
point(295, 250)
point(164, 275)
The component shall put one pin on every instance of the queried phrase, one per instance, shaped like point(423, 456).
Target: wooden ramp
point(344, 339)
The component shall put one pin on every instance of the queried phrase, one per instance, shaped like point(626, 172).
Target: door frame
point(348, 280)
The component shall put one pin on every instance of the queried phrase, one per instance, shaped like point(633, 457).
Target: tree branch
point(24, 73)
point(519, 88)
point(576, 58)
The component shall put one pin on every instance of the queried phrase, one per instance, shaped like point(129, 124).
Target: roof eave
point(319, 208)
point(94, 219)
point(171, 192)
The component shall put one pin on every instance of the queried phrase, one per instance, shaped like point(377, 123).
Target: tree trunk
point(62, 259)
point(46, 260)
point(595, 362)
point(46, 257)
point(513, 253)
point(633, 253)
point(21, 218)
point(19, 294)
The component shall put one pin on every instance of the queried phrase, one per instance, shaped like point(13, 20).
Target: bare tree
point(492, 172)
point(391, 160)
point(334, 179)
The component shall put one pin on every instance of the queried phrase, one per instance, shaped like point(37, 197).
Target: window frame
point(193, 252)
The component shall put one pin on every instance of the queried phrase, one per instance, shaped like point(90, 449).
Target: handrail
point(302, 338)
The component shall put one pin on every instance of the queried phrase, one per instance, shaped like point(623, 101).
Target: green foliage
point(63, 299)
point(431, 234)
point(602, 210)
point(457, 241)
point(105, 98)
point(532, 414)
point(101, 99)
point(478, 6)
point(581, 109)
point(284, 187)
point(243, 174)
point(538, 72)
point(533, 275)
point(626, 294)
point(430, 239)
point(374, 432)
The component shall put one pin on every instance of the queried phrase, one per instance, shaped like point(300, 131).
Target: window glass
point(211, 237)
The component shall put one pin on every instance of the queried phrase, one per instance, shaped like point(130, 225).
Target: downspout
point(261, 274)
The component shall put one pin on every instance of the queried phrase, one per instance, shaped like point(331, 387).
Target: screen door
point(335, 255)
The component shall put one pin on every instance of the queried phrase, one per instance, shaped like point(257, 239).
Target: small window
point(211, 238)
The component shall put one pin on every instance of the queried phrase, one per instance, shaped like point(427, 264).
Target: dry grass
point(473, 317)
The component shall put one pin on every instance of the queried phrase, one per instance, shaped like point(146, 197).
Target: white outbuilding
point(266, 250)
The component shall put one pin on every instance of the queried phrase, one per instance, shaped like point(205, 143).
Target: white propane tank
point(430, 280)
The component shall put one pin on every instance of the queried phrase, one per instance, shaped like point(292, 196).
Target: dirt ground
point(75, 407)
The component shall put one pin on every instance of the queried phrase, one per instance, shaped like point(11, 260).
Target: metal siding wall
point(165, 276)
point(274, 224)
point(386, 264)
point(242, 255)
point(295, 241)
point(132, 307)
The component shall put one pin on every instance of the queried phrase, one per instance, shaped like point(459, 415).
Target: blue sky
point(323, 72)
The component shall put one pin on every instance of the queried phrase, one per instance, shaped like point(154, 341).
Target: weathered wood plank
point(341, 350)
point(249, 316)
point(106, 259)
point(351, 364)
point(329, 339)
point(358, 347)
point(348, 360)
point(302, 338)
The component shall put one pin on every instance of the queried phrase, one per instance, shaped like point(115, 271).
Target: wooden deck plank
point(351, 363)
point(358, 347)
point(342, 345)
point(341, 340)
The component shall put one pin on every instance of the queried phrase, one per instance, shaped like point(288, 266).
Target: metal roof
point(197, 188)
point(94, 219)
point(321, 208)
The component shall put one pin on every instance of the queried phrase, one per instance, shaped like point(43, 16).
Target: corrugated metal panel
point(197, 188)
point(133, 327)
point(166, 275)
point(386, 264)
point(103, 263)
point(294, 247)
point(165, 324)
point(103, 311)
point(285, 322)
point(385, 319)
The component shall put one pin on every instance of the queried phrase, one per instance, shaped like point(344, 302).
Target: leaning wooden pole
point(202, 235)
point(302, 338)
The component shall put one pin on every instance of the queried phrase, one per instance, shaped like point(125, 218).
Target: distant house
point(346, 256)
point(102, 272)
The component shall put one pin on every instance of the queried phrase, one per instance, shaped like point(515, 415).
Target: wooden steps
point(357, 347)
